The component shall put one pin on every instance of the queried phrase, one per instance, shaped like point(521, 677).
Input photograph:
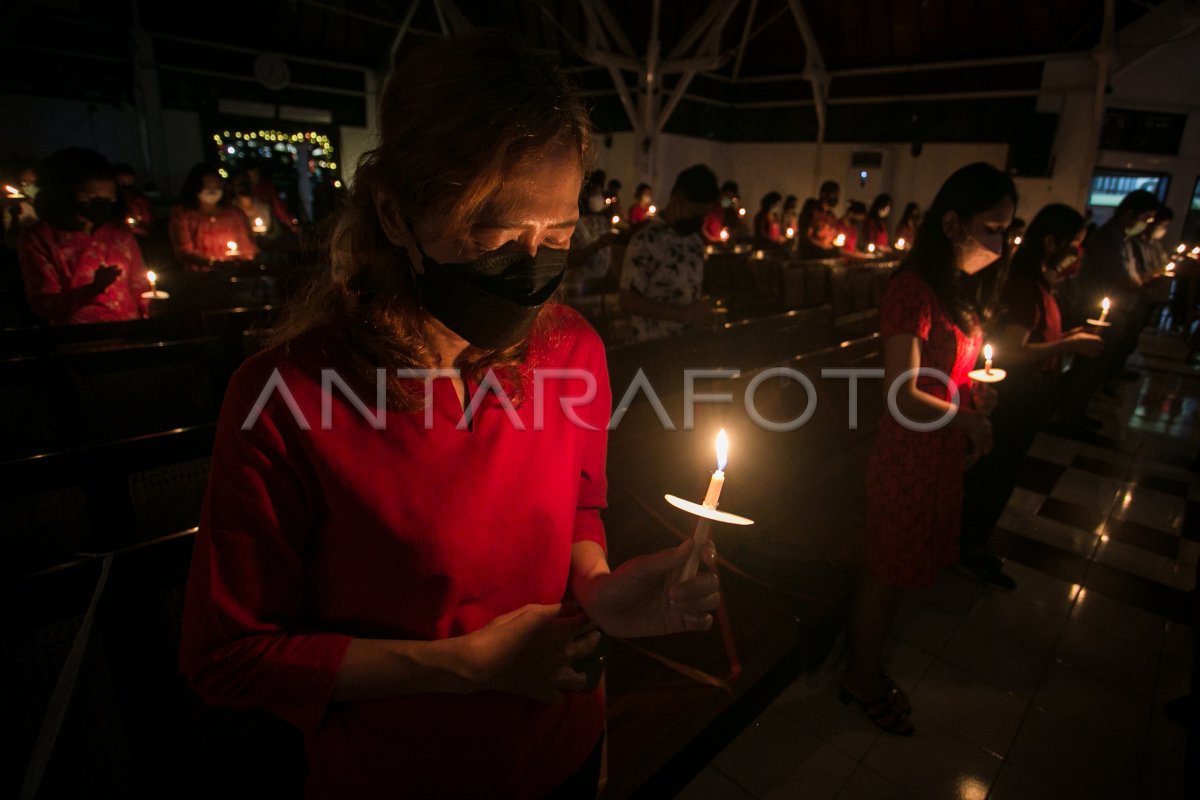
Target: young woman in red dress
point(203, 225)
point(412, 586)
point(928, 320)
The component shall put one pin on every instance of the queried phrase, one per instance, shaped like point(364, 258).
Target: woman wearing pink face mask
point(929, 320)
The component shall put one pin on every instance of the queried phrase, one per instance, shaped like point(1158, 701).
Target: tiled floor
point(1055, 690)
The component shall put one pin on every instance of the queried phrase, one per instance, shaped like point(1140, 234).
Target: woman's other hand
point(529, 651)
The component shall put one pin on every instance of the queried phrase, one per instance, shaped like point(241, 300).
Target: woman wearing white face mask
point(1033, 342)
point(591, 243)
point(203, 226)
point(928, 320)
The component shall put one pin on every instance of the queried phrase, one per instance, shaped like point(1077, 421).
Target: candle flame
point(15, 192)
point(1181, 249)
point(1016, 240)
point(151, 276)
point(724, 234)
point(1105, 304)
point(722, 449)
point(840, 240)
point(1196, 251)
point(1170, 266)
point(232, 246)
point(258, 222)
point(871, 248)
point(791, 232)
point(900, 244)
point(616, 218)
point(651, 211)
point(987, 352)
point(741, 212)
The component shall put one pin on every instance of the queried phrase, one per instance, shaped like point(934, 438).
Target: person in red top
point(136, 208)
point(265, 192)
point(874, 227)
point(80, 264)
point(767, 227)
point(203, 226)
point(818, 223)
point(409, 567)
point(914, 476)
point(641, 204)
point(848, 228)
point(906, 228)
point(1029, 346)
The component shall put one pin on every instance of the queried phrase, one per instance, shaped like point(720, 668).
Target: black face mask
point(492, 301)
point(98, 210)
point(686, 227)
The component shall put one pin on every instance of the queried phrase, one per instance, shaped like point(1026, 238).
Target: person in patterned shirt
point(80, 265)
point(663, 271)
point(203, 225)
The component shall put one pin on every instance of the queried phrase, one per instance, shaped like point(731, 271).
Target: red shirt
point(206, 236)
point(636, 213)
point(850, 232)
point(1029, 304)
point(310, 537)
point(767, 228)
point(58, 267)
point(875, 232)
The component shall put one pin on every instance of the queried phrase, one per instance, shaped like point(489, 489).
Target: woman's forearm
point(380, 669)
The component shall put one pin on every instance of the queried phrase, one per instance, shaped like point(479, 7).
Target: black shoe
point(990, 570)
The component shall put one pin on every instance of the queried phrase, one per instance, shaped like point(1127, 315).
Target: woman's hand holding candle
point(646, 595)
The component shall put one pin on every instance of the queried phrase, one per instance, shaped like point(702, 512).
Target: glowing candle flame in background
point(987, 357)
point(791, 232)
point(741, 212)
point(652, 211)
point(840, 240)
point(900, 243)
point(724, 234)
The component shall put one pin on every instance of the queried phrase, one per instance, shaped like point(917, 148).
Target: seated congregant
point(204, 230)
point(80, 263)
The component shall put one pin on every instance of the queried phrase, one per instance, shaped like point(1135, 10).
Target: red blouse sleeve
point(593, 483)
point(907, 306)
point(186, 248)
point(243, 640)
point(47, 294)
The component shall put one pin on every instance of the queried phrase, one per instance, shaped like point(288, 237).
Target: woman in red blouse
point(641, 204)
point(914, 477)
point(1032, 343)
point(202, 226)
point(79, 262)
point(874, 228)
point(405, 565)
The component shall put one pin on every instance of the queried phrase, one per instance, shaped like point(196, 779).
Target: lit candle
point(759, 255)
point(900, 244)
point(840, 240)
point(1181, 249)
point(987, 359)
point(724, 234)
point(871, 248)
point(791, 232)
point(616, 218)
point(232, 248)
point(741, 212)
point(711, 497)
point(259, 227)
point(1016, 241)
point(651, 211)
point(153, 278)
point(1170, 268)
point(1104, 306)
point(14, 192)
point(1196, 251)
point(131, 221)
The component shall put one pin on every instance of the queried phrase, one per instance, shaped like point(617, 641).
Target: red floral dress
point(207, 236)
point(914, 479)
point(58, 267)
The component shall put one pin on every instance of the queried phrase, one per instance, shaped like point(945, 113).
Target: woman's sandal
point(889, 711)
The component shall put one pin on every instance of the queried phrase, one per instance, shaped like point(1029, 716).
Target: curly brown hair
point(456, 116)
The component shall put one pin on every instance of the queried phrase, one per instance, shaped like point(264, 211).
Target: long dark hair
point(1059, 222)
point(970, 191)
point(880, 202)
point(60, 176)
